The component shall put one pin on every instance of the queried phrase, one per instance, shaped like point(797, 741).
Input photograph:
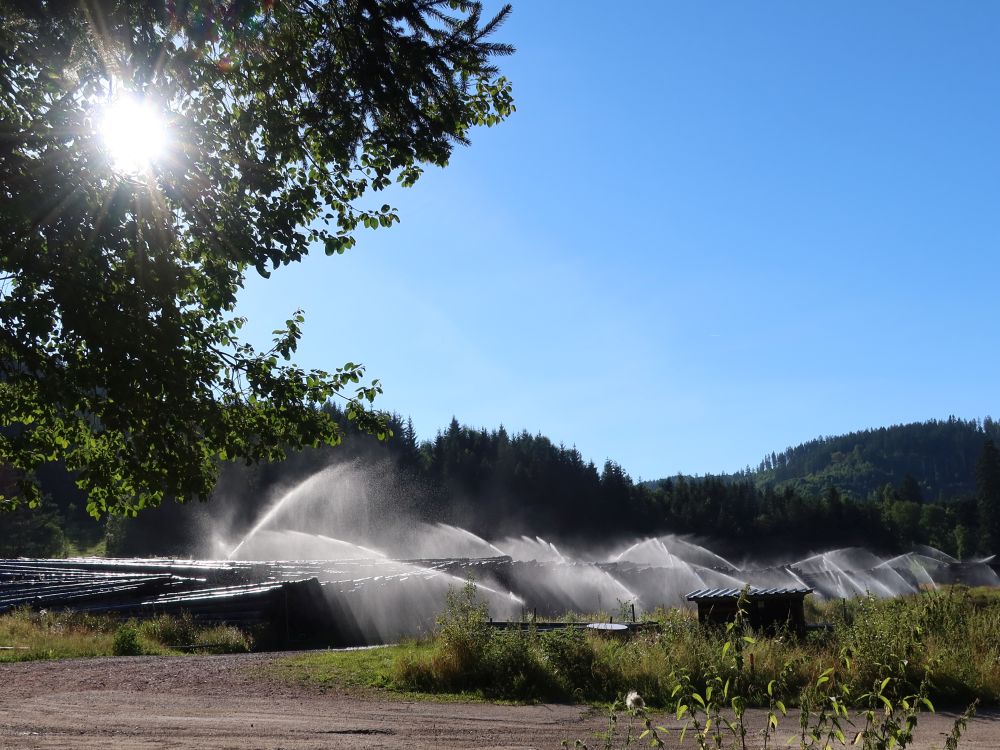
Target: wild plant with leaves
point(712, 713)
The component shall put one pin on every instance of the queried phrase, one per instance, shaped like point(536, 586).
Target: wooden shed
point(766, 609)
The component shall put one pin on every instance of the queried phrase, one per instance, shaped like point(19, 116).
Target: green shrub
point(515, 667)
point(574, 663)
point(470, 655)
point(127, 641)
point(464, 630)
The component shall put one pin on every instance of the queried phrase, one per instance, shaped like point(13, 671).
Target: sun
point(135, 134)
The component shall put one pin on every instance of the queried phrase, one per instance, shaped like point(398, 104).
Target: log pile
point(289, 603)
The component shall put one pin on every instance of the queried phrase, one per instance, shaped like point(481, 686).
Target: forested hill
point(940, 455)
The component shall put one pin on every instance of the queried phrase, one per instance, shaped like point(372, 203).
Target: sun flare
point(135, 134)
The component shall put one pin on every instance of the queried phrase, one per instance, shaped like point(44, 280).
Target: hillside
point(940, 455)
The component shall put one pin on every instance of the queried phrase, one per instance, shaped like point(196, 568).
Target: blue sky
point(711, 230)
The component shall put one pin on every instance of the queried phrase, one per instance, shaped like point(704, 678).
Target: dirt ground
point(222, 702)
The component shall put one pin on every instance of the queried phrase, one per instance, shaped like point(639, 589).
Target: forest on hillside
point(940, 455)
point(935, 482)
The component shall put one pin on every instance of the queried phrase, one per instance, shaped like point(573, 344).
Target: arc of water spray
point(280, 504)
point(923, 575)
point(797, 577)
point(474, 537)
point(559, 555)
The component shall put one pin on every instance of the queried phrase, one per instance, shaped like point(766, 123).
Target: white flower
point(634, 701)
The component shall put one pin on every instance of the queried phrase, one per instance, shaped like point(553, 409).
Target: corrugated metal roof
point(753, 593)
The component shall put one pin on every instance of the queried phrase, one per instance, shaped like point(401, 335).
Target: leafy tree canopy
point(120, 354)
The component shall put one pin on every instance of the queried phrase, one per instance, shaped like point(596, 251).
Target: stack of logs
point(251, 596)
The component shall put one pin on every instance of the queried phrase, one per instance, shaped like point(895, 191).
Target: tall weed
point(27, 634)
point(712, 713)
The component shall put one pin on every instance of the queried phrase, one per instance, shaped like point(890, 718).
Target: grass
point(355, 668)
point(26, 635)
point(946, 643)
point(368, 669)
point(361, 668)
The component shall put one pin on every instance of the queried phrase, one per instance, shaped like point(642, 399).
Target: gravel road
point(222, 702)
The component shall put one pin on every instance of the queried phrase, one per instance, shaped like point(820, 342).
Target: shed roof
point(752, 593)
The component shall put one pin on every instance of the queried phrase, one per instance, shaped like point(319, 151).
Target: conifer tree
point(988, 496)
point(910, 491)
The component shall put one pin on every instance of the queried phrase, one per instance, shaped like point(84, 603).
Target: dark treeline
point(934, 483)
point(491, 480)
point(496, 483)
